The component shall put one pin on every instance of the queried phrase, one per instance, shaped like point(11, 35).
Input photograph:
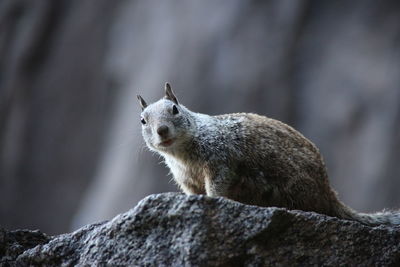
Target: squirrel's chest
point(187, 173)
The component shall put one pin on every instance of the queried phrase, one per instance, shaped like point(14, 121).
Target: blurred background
point(71, 151)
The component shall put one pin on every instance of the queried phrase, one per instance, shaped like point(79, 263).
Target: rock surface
point(13, 243)
point(174, 230)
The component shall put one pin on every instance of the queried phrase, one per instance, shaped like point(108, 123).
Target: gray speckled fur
point(246, 157)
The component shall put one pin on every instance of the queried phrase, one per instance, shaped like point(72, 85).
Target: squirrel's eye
point(175, 110)
point(143, 121)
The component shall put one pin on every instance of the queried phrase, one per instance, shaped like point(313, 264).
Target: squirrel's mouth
point(167, 142)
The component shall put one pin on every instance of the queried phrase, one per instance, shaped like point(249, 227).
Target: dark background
point(71, 151)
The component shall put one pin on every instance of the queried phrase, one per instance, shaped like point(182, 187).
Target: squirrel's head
point(165, 123)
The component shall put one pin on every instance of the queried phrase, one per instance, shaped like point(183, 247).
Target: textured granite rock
point(174, 230)
point(13, 243)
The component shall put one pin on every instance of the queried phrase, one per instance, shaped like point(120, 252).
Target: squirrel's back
point(273, 164)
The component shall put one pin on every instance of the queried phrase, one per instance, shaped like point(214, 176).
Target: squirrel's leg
point(191, 189)
point(187, 190)
point(218, 184)
point(188, 185)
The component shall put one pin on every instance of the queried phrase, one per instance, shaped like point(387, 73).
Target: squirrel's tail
point(371, 219)
point(384, 217)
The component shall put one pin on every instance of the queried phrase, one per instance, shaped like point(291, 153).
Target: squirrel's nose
point(163, 130)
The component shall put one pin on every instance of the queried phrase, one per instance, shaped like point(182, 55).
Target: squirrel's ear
point(143, 104)
point(169, 94)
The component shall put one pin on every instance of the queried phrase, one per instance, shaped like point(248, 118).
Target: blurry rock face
point(54, 108)
point(69, 122)
point(177, 230)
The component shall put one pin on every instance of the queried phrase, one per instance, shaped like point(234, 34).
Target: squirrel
point(245, 157)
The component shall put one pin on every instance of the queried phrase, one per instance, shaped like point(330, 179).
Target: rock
point(173, 229)
point(13, 243)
